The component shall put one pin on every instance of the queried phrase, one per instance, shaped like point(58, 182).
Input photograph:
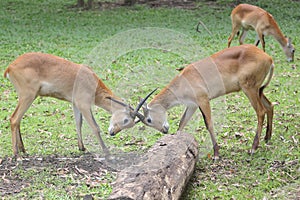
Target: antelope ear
point(142, 102)
point(131, 112)
point(128, 108)
point(144, 106)
point(145, 109)
point(289, 44)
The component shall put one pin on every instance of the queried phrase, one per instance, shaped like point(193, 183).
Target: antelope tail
point(268, 80)
point(6, 74)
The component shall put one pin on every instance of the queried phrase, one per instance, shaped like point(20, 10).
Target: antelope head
point(124, 118)
point(289, 50)
point(155, 115)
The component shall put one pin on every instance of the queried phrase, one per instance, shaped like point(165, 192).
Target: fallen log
point(162, 173)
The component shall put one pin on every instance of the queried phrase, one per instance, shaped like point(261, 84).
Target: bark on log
point(162, 173)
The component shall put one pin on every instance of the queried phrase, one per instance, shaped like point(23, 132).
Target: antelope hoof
point(216, 152)
point(22, 149)
point(252, 151)
point(17, 158)
point(82, 149)
point(267, 138)
point(112, 134)
point(107, 154)
point(216, 158)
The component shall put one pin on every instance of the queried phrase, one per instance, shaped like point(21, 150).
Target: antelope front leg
point(188, 113)
point(257, 40)
point(234, 31)
point(262, 39)
point(204, 107)
point(87, 114)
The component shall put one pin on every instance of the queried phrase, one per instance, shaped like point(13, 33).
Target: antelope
point(39, 74)
point(251, 17)
point(233, 69)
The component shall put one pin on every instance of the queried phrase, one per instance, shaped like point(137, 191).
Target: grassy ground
point(135, 50)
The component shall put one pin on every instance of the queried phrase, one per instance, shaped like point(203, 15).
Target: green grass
point(135, 50)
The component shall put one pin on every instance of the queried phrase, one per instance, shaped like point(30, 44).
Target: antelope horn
point(119, 102)
point(136, 111)
point(133, 113)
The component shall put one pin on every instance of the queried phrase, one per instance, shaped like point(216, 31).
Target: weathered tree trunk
point(162, 173)
point(81, 4)
point(89, 4)
point(129, 2)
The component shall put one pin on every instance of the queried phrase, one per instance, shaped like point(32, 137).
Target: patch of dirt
point(227, 168)
point(184, 4)
point(87, 168)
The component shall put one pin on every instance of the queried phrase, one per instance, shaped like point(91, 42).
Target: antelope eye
point(126, 121)
point(149, 120)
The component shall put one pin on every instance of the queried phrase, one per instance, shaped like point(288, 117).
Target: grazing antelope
point(237, 68)
point(251, 17)
point(39, 74)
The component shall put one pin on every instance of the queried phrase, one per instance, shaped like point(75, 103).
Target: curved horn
point(133, 112)
point(143, 101)
point(119, 102)
point(136, 111)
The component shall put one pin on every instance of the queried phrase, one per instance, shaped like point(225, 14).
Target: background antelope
point(237, 68)
point(249, 17)
point(39, 74)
